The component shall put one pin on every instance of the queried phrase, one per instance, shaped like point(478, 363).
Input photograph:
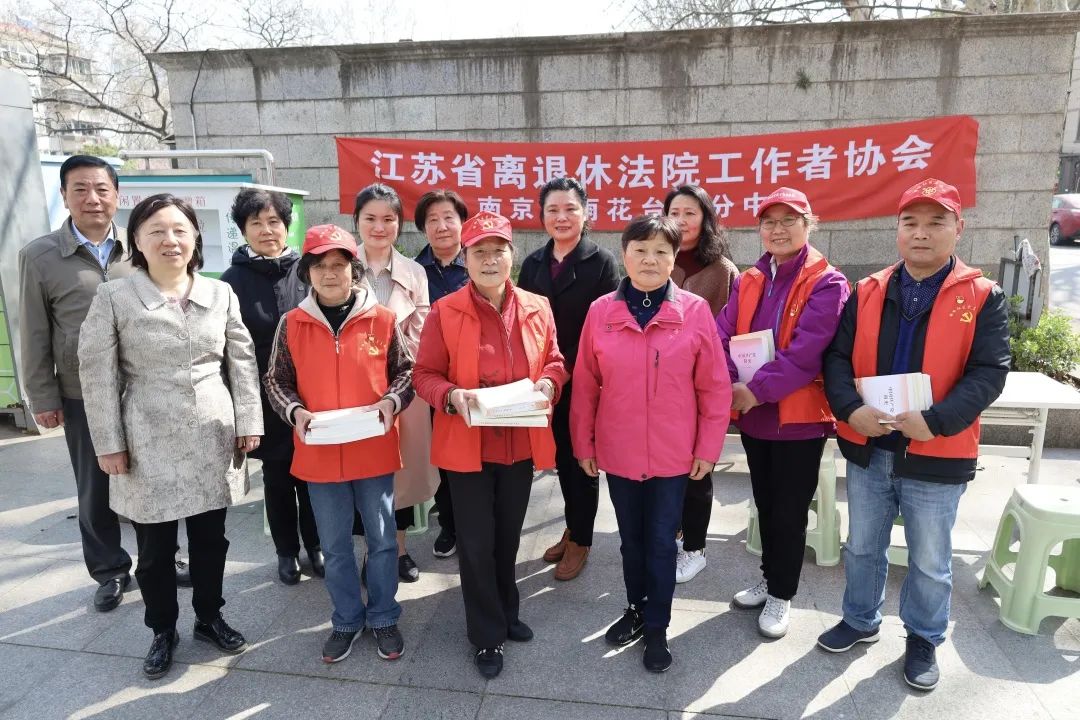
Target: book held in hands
point(895, 394)
point(336, 427)
point(516, 404)
point(750, 351)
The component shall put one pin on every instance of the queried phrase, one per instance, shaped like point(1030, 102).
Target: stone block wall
point(1012, 73)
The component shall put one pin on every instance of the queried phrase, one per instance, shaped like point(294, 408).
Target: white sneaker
point(752, 597)
point(773, 620)
point(688, 564)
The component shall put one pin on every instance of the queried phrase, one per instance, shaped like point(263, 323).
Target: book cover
point(895, 394)
point(750, 351)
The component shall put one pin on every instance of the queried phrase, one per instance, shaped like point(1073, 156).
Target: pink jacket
point(647, 402)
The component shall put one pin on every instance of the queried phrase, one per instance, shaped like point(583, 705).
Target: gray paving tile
point(732, 670)
point(278, 695)
point(55, 609)
point(88, 685)
point(293, 641)
point(977, 681)
point(408, 702)
point(496, 707)
point(251, 606)
point(23, 668)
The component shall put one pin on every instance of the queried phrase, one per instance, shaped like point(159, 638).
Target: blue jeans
point(333, 504)
point(649, 513)
point(875, 496)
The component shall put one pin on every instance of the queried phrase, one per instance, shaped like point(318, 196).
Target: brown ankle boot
point(573, 560)
point(555, 552)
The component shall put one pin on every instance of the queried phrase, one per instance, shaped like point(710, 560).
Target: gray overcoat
point(174, 389)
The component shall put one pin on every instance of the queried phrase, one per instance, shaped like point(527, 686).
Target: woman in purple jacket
point(783, 415)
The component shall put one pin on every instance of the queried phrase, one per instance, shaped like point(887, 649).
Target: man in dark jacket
point(570, 271)
point(930, 314)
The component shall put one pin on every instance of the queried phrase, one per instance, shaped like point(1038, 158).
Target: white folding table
point(1026, 401)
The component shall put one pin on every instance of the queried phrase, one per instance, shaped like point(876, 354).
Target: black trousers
point(287, 505)
point(156, 572)
point(443, 498)
point(98, 525)
point(696, 512)
point(581, 493)
point(445, 502)
point(491, 505)
point(784, 476)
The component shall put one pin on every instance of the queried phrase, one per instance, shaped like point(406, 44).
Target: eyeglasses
point(787, 222)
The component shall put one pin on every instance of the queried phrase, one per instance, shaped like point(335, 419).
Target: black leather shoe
point(183, 574)
point(318, 563)
point(288, 569)
point(489, 661)
point(159, 658)
point(111, 592)
point(219, 633)
point(657, 657)
point(519, 632)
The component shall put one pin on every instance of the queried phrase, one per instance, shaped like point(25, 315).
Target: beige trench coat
point(174, 389)
point(417, 479)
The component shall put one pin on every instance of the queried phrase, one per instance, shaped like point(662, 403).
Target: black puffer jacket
point(267, 289)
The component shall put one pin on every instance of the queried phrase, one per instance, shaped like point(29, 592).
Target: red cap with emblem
point(794, 199)
point(324, 238)
point(484, 225)
point(933, 190)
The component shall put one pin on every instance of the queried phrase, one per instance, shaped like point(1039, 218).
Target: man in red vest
point(929, 313)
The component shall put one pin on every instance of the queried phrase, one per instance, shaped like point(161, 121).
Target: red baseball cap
point(934, 190)
point(794, 199)
point(324, 238)
point(484, 225)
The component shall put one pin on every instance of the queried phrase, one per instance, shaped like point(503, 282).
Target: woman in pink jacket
point(650, 407)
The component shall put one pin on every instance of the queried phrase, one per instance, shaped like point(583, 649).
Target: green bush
point(1052, 347)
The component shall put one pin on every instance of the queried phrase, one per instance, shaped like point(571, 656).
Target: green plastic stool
point(824, 537)
point(1045, 515)
point(420, 518)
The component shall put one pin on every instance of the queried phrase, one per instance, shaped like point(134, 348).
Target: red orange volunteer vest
point(949, 334)
point(330, 375)
point(808, 403)
point(454, 445)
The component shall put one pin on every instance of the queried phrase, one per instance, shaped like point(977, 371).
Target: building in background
point(65, 125)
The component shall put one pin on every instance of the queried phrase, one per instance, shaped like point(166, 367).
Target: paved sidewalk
point(59, 658)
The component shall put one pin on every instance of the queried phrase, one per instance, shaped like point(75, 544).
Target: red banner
point(848, 173)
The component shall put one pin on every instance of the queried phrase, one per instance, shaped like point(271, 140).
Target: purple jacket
point(801, 361)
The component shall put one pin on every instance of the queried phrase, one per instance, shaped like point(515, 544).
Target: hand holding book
point(870, 422)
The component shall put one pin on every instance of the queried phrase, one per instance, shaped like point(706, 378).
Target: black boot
point(288, 569)
point(318, 563)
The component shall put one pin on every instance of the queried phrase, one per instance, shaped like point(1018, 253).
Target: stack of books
point(895, 394)
point(750, 351)
point(514, 405)
point(336, 427)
